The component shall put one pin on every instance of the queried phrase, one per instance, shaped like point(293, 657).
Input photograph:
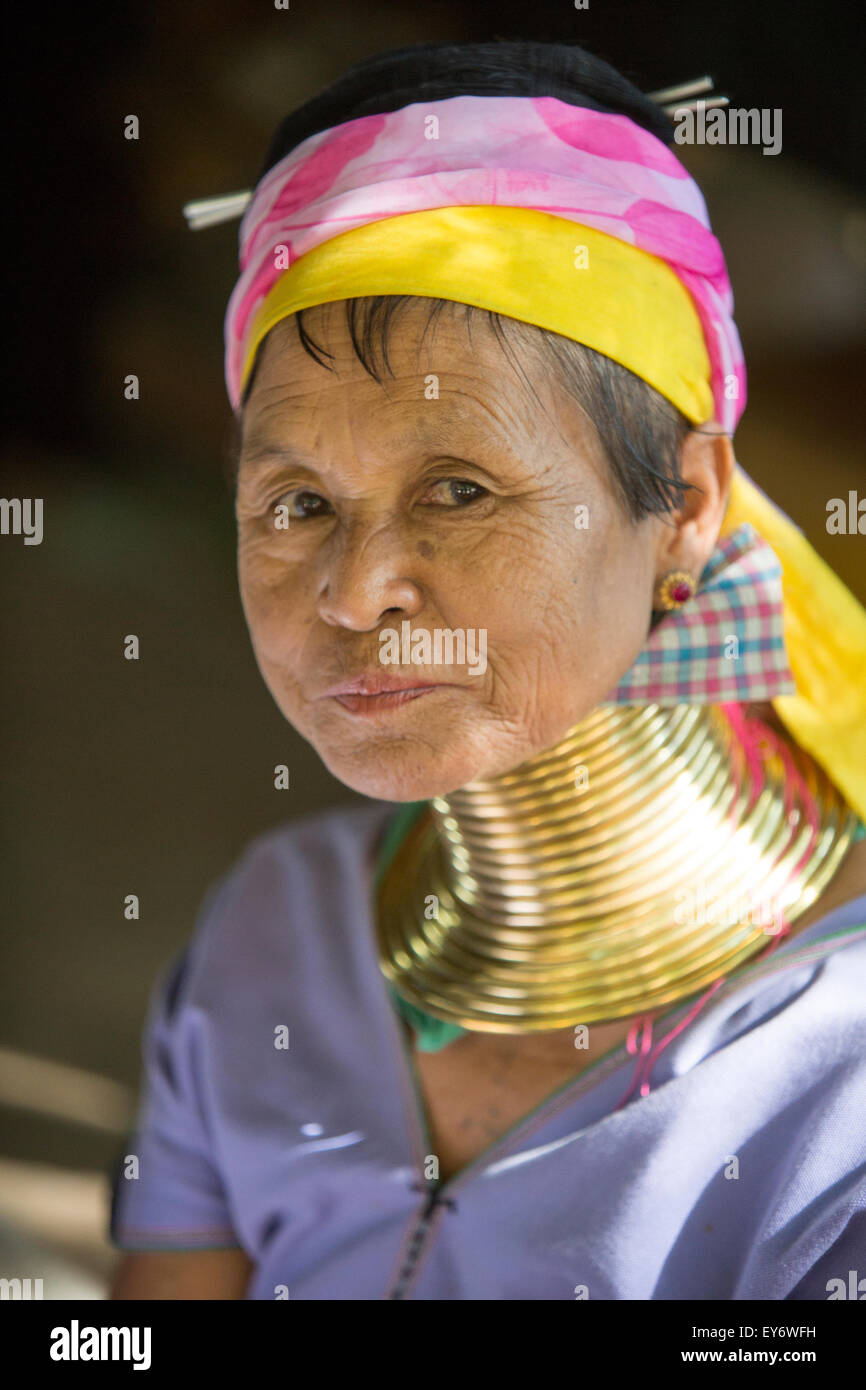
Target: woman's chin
point(402, 772)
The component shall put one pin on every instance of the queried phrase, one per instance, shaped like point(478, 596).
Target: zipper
point(417, 1242)
point(420, 1137)
point(422, 1142)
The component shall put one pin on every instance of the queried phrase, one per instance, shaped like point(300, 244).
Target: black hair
point(640, 430)
point(435, 71)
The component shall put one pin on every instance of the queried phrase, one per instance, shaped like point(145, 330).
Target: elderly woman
point(581, 1016)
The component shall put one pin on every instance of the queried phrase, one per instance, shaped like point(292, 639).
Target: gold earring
point(674, 589)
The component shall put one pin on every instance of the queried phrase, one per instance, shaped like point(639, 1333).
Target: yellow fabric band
point(825, 634)
point(528, 265)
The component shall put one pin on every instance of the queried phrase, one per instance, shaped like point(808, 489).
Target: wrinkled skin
point(456, 512)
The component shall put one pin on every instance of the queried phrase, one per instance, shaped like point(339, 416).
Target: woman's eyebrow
point(256, 451)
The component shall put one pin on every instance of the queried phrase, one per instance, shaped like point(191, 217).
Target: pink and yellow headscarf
point(575, 221)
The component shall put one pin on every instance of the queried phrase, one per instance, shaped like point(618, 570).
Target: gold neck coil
point(630, 866)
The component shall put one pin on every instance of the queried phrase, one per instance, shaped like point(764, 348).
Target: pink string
point(759, 734)
point(795, 778)
point(746, 735)
point(648, 1058)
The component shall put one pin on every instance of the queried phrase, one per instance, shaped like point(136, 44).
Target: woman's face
point(446, 500)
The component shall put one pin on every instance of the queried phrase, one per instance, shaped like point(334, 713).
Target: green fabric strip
point(398, 828)
point(431, 1034)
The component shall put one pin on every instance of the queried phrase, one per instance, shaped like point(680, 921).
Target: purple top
point(741, 1175)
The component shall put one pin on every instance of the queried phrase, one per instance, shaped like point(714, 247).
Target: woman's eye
point(303, 505)
point(461, 491)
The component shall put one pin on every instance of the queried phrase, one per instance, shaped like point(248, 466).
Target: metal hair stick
point(207, 212)
point(685, 89)
point(705, 102)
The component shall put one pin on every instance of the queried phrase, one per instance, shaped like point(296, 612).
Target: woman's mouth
point(387, 700)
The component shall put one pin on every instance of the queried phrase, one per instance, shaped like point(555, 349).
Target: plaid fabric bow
point(726, 643)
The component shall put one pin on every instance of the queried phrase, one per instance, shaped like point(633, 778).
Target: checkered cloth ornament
point(726, 643)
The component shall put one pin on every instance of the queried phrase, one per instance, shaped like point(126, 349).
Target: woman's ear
point(707, 462)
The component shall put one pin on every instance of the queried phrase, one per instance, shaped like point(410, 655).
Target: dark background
point(150, 776)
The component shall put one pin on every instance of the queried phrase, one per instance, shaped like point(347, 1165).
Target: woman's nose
point(366, 574)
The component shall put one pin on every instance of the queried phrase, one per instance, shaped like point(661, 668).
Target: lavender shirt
point(741, 1175)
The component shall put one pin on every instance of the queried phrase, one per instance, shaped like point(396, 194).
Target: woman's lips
point(380, 692)
point(379, 704)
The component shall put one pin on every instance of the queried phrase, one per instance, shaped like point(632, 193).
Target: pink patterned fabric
point(591, 168)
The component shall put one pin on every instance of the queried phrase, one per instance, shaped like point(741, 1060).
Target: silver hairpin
point(670, 99)
point(685, 89)
point(207, 212)
point(704, 102)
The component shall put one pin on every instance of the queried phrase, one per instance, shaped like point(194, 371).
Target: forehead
point(417, 338)
point(438, 356)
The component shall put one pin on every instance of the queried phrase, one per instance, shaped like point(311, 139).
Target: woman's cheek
point(268, 585)
point(265, 556)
